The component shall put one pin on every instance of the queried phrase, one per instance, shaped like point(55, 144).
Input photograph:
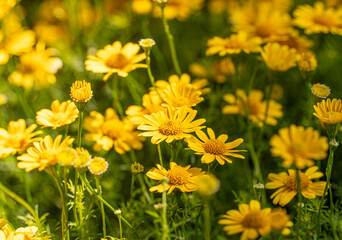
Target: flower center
point(16, 141)
point(58, 119)
point(264, 30)
point(180, 101)
point(333, 117)
point(279, 220)
point(324, 20)
point(117, 60)
point(291, 182)
point(113, 129)
point(171, 128)
point(178, 176)
point(214, 146)
point(48, 158)
point(253, 219)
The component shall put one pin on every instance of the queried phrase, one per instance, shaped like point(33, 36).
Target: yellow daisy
point(214, 148)
point(318, 19)
point(6, 6)
point(82, 158)
point(307, 61)
point(296, 41)
point(207, 185)
point(320, 90)
point(98, 166)
point(287, 185)
point(183, 178)
point(278, 57)
point(329, 111)
point(171, 125)
point(234, 44)
point(223, 69)
point(43, 154)
point(117, 59)
point(17, 138)
point(253, 106)
point(299, 147)
point(250, 219)
point(80, 91)
point(261, 19)
point(142, 6)
point(37, 68)
point(151, 103)
point(280, 221)
point(178, 9)
point(60, 114)
point(109, 131)
point(67, 156)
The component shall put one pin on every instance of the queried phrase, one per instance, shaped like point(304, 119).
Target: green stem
point(75, 200)
point(254, 156)
point(64, 218)
point(300, 200)
point(206, 219)
point(160, 155)
point(165, 227)
point(268, 99)
point(132, 186)
point(120, 226)
point(99, 190)
point(27, 186)
point(80, 125)
point(171, 44)
point(116, 98)
point(333, 145)
point(22, 202)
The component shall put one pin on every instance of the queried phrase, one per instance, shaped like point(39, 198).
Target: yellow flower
point(151, 103)
point(207, 185)
point(261, 19)
point(198, 70)
point(116, 59)
point(60, 114)
point(142, 6)
point(67, 156)
point(137, 168)
point(329, 111)
point(287, 185)
point(98, 166)
point(183, 178)
point(250, 219)
point(298, 146)
point(80, 91)
point(3, 99)
point(214, 148)
point(279, 57)
point(14, 39)
point(27, 233)
point(307, 61)
point(171, 125)
point(178, 94)
point(175, 82)
point(320, 90)
point(178, 9)
point(37, 68)
point(318, 19)
point(82, 158)
point(18, 138)
point(280, 221)
point(6, 6)
point(234, 44)
point(296, 41)
point(43, 154)
point(109, 131)
point(222, 69)
point(253, 106)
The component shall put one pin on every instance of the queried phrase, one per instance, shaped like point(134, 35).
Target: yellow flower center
point(66, 156)
point(81, 91)
point(16, 141)
point(214, 146)
point(324, 20)
point(117, 60)
point(113, 129)
point(264, 30)
point(48, 158)
point(332, 117)
point(98, 166)
point(320, 90)
point(171, 128)
point(253, 219)
point(82, 158)
point(180, 101)
point(58, 118)
point(279, 219)
point(178, 176)
point(291, 182)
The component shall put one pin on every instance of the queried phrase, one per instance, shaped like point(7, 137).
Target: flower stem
point(80, 125)
point(160, 155)
point(99, 190)
point(206, 219)
point(165, 227)
point(22, 202)
point(171, 44)
point(333, 145)
point(115, 93)
point(254, 156)
point(27, 186)
point(300, 200)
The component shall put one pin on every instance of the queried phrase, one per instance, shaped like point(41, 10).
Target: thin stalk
point(267, 99)
point(64, 218)
point(115, 92)
point(165, 227)
point(254, 156)
point(206, 219)
point(310, 102)
point(300, 200)
point(120, 226)
point(99, 190)
point(27, 186)
point(160, 155)
point(333, 145)
point(171, 44)
point(22, 202)
point(80, 126)
point(75, 199)
point(149, 72)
